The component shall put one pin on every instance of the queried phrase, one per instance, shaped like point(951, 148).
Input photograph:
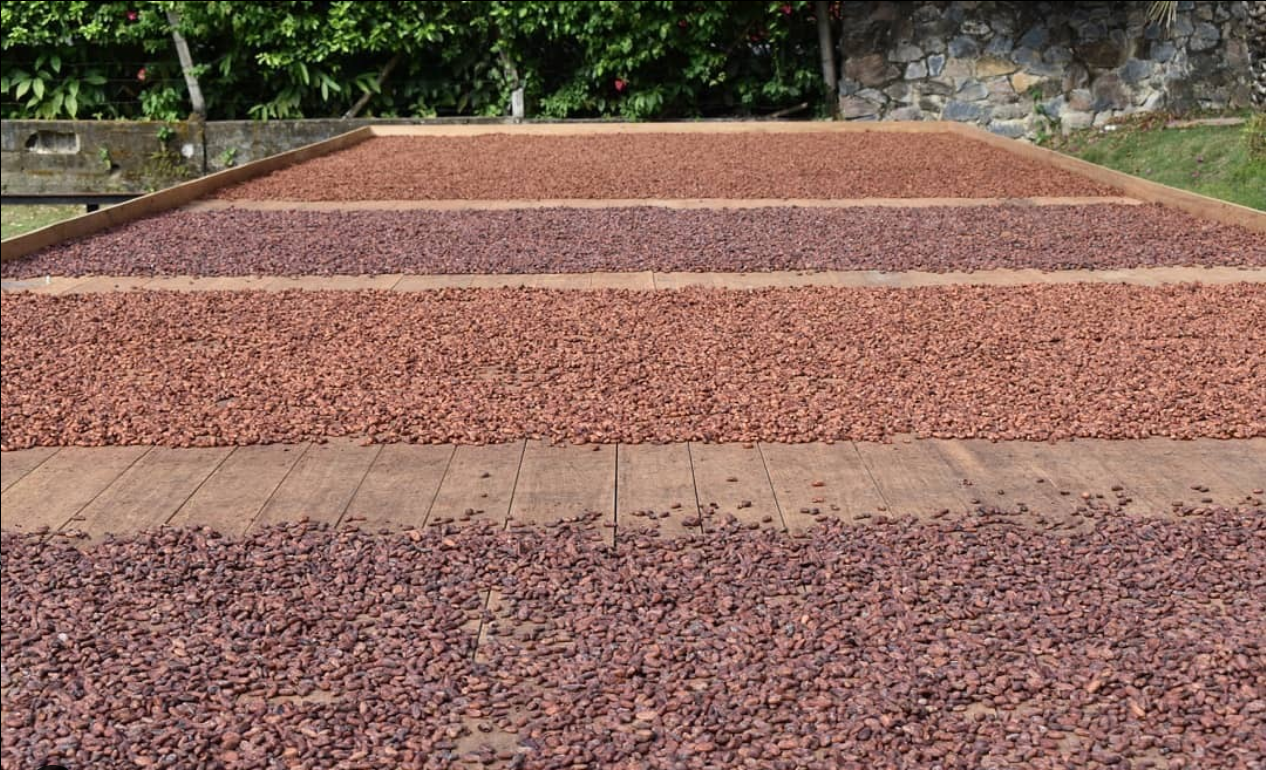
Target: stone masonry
point(1021, 68)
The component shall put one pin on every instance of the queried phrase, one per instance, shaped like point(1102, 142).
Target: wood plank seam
point(338, 521)
point(870, 475)
point(487, 603)
point(66, 524)
point(199, 485)
point(32, 469)
point(284, 477)
point(772, 491)
point(430, 508)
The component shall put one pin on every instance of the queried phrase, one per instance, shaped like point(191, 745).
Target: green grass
point(1210, 160)
point(15, 220)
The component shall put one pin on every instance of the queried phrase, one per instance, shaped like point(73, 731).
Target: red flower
point(133, 16)
point(786, 10)
point(620, 84)
point(140, 74)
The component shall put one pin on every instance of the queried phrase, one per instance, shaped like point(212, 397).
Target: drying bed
point(492, 365)
point(569, 240)
point(731, 165)
point(963, 644)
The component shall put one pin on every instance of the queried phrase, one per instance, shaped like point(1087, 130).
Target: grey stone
point(1152, 101)
point(972, 91)
point(999, 46)
point(1163, 52)
point(931, 103)
point(849, 87)
point(1100, 54)
point(975, 27)
point(1076, 76)
point(870, 70)
point(906, 53)
point(1012, 111)
point(916, 70)
point(1182, 26)
point(1002, 24)
point(1092, 31)
point(936, 64)
point(1055, 107)
point(1135, 70)
point(1109, 92)
point(873, 95)
point(898, 92)
point(853, 107)
point(964, 111)
point(1035, 37)
point(1206, 36)
point(933, 44)
point(963, 48)
point(1080, 99)
point(906, 113)
point(1012, 129)
point(935, 88)
point(1026, 57)
point(1058, 55)
point(1072, 120)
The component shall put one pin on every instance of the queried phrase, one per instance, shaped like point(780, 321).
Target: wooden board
point(748, 498)
point(1011, 468)
point(914, 478)
point(666, 127)
point(656, 479)
point(1161, 470)
point(830, 479)
point(58, 489)
point(1237, 467)
point(15, 465)
point(1200, 206)
point(400, 487)
point(478, 485)
point(564, 481)
point(1146, 276)
point(230, 499)
point(321, 485)
point(150, 491)
point(1075, 467)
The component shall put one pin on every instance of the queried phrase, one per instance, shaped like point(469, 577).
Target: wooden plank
point(1006, 475)
point(732, 480)
point(1197, 205)
point(914, 478)
point(231, 497)
point(400, 487)
point(321, 485)
point(565, 481)
point(1237, 467)
point(668, 127)
point(478, 485)
point(14, 465)
point(1162, 470)
point(655, 489)
point(150, 491)
point(812, 480)
point(171, 197)
point(462, 204)
point(51, 494)
point(1076, 468)
point(1147, 276)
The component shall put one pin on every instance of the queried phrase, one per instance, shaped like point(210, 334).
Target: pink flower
point(140, 74)
point(786, 10)
point(620, 84)
point(133, 16)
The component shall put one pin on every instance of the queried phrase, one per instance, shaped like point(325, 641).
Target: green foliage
point(298, 58)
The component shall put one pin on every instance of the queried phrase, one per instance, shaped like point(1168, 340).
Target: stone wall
point(1019, 68)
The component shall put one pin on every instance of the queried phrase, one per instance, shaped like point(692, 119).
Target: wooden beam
point(172, 197)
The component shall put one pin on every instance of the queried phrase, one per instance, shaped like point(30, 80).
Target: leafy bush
point(634, 59)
